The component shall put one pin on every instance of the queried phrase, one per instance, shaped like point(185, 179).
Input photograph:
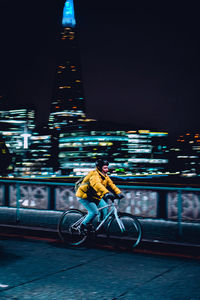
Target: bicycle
point(120, 226)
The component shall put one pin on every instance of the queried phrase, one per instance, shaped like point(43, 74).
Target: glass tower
point(68, 103)
point(141, 152)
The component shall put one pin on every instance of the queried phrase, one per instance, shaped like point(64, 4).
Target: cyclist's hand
point(119, 196)
point(109, 196)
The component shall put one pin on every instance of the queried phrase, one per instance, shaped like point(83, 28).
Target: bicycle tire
point(133, 231)
point(70, 236)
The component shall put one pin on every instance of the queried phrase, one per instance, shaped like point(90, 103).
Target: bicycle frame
point(113, 210)
point(77, 223)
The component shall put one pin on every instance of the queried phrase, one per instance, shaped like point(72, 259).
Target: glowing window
point(65, 87)
point(61, 67)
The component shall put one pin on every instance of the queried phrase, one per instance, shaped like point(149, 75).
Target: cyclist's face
point(105, 169)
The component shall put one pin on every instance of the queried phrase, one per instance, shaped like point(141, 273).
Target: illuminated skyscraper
point(141, 152)
point(186, 154)
point(13, 124)
point(68, 104)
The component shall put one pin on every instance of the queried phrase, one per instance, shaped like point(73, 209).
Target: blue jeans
point(92, 209)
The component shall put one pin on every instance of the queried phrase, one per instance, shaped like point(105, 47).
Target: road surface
point(45, 269)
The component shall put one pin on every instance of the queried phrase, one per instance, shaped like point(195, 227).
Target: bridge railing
point(180, 204)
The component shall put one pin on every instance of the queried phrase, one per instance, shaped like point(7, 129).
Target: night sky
point(140, 59)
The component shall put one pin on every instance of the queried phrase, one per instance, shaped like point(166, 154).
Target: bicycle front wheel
point(128, 233)
point(68, 227)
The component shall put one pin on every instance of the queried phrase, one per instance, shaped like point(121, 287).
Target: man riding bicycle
point(94, 192)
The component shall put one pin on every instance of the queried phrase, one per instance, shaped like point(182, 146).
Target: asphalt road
point(45, 269)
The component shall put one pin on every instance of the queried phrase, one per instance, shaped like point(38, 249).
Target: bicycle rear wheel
point(130, 236)
point(68, 227)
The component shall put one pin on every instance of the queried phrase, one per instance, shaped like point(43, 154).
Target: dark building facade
point(185, 154)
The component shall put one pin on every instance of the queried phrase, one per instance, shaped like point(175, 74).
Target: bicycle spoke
point(68, 227)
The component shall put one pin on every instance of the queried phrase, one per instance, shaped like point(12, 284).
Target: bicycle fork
point(119, 222)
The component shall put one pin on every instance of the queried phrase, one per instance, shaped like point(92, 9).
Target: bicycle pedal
point(83, 230)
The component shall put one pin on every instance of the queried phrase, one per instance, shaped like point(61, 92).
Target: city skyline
point(140, 63)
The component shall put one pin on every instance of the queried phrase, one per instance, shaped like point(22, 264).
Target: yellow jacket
point(95, 185)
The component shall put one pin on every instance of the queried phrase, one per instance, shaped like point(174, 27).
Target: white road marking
point(3, 285)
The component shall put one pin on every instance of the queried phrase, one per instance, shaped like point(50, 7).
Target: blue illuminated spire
point(68, 14)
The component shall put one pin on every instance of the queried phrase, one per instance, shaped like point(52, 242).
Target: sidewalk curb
point(6, 230)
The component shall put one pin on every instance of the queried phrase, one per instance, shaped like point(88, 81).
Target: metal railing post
point(180, 231)
point(51, 198)
point(6, 194)
point(162, 205)
point(4, 198)
point(17, 202)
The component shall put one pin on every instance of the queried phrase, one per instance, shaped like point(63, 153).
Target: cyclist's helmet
point(101, 162)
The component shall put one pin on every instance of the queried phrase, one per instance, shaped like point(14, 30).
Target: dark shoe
point(90, 227)
point(83, 229)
